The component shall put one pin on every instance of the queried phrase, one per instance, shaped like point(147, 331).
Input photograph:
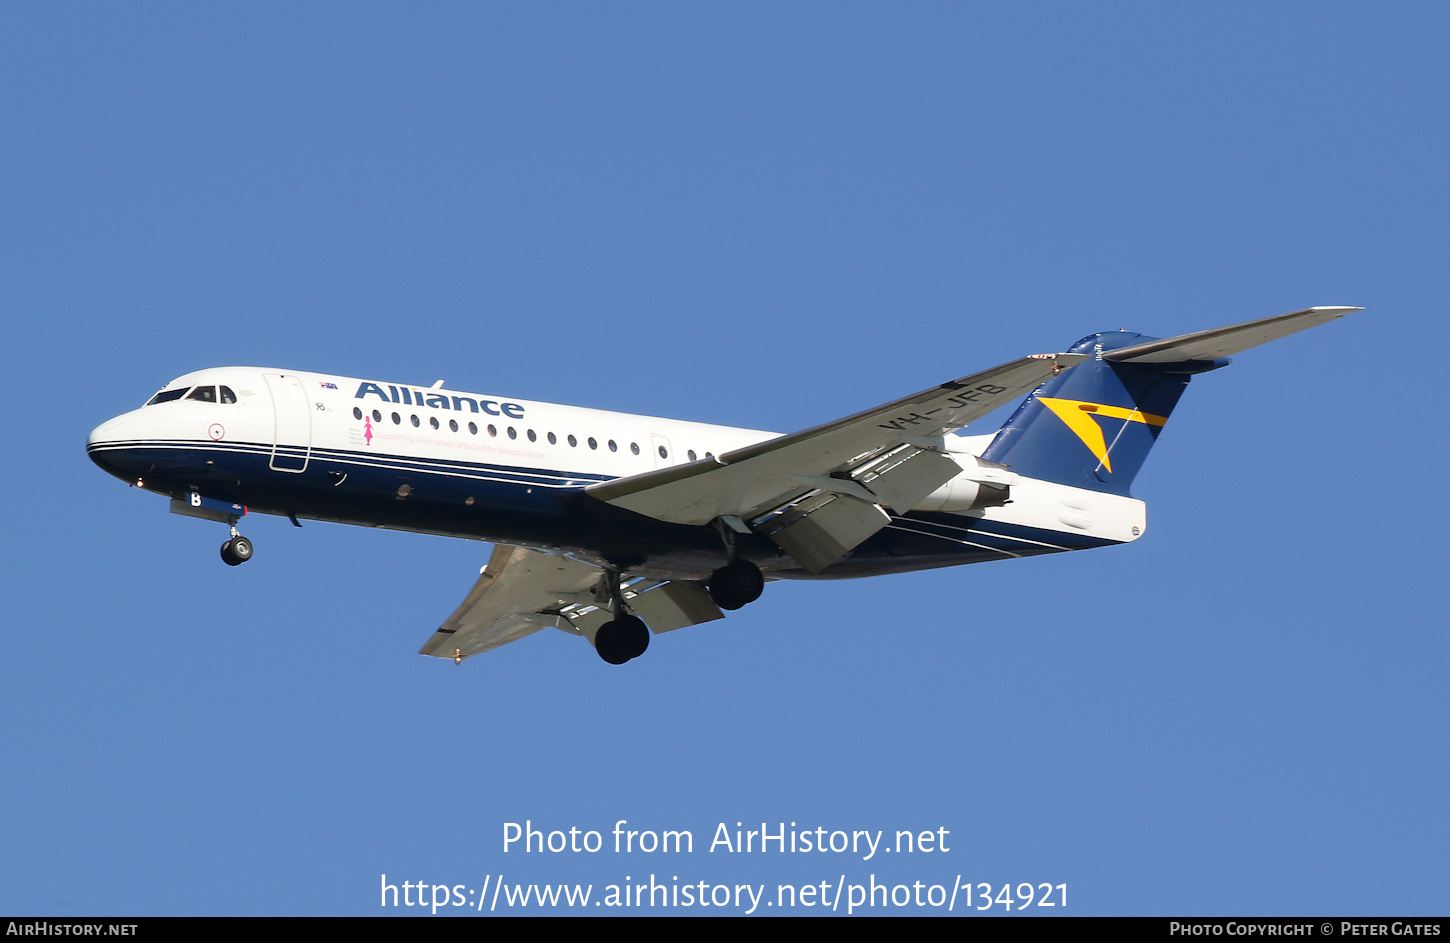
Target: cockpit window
point(166, 396)
point(206, 394)
point(227, 395)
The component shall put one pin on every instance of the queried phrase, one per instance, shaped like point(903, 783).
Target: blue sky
point(753, 215)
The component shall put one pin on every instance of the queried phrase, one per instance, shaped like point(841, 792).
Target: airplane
point(614, 527)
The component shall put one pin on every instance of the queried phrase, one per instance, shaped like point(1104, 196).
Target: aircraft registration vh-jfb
point(611, 526)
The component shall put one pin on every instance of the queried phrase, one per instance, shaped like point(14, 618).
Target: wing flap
point(824, 528)
point(675, 606)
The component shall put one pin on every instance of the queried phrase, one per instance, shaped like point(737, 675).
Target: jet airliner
point(616, 527)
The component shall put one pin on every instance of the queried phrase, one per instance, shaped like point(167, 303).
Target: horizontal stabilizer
point(1224, 341)
point(1092, 427)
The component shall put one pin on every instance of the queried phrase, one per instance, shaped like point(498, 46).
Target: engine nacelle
point(980, 485)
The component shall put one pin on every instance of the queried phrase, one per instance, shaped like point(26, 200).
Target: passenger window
point(592, 443)
point(532, 437)
point(573, 442)
point(473, 428)
point(453, 425)
point(634, 447)
point(227, 395)
point(415, 420)
point(377, 416)
point(492, 430)
point(397, 420)
point(513, 433)
point(663, 453)
point(433, 421)
point(356, 413)
point(553, 439)
point(612, 446)
point(691, 453)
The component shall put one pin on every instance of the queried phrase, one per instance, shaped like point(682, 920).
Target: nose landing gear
point(236, 551)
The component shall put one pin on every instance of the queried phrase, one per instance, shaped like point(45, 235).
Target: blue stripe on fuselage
point(535, 507)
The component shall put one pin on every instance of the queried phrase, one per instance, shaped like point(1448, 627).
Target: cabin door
point(292, 443)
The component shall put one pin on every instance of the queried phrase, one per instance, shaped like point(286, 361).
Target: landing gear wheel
point(736, 584)
point(236, 551)
point(604, 644)
point(631, 636)
point(622, 639)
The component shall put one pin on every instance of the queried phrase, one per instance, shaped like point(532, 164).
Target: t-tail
point(1092, 426)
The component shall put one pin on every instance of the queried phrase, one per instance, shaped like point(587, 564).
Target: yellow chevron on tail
point(1077, 415)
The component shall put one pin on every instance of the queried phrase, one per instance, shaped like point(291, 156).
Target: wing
point(522, 591)
point(890, 455)
point(1223, 341)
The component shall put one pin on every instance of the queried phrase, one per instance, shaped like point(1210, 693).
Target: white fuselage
point(401, 443)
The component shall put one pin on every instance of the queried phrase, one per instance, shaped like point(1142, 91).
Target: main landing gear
point(625, 636)
point(236, 551)
point(621, 639)
point(736, 584)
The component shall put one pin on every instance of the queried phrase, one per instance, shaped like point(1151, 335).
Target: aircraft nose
point(120, 429)
point(107, 445)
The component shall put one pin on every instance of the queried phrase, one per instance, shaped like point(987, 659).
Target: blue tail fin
point(1092, 426)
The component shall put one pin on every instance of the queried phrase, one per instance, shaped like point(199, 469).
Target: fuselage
point(441, 461)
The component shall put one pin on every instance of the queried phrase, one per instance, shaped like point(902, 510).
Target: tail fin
point(1092, 426)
